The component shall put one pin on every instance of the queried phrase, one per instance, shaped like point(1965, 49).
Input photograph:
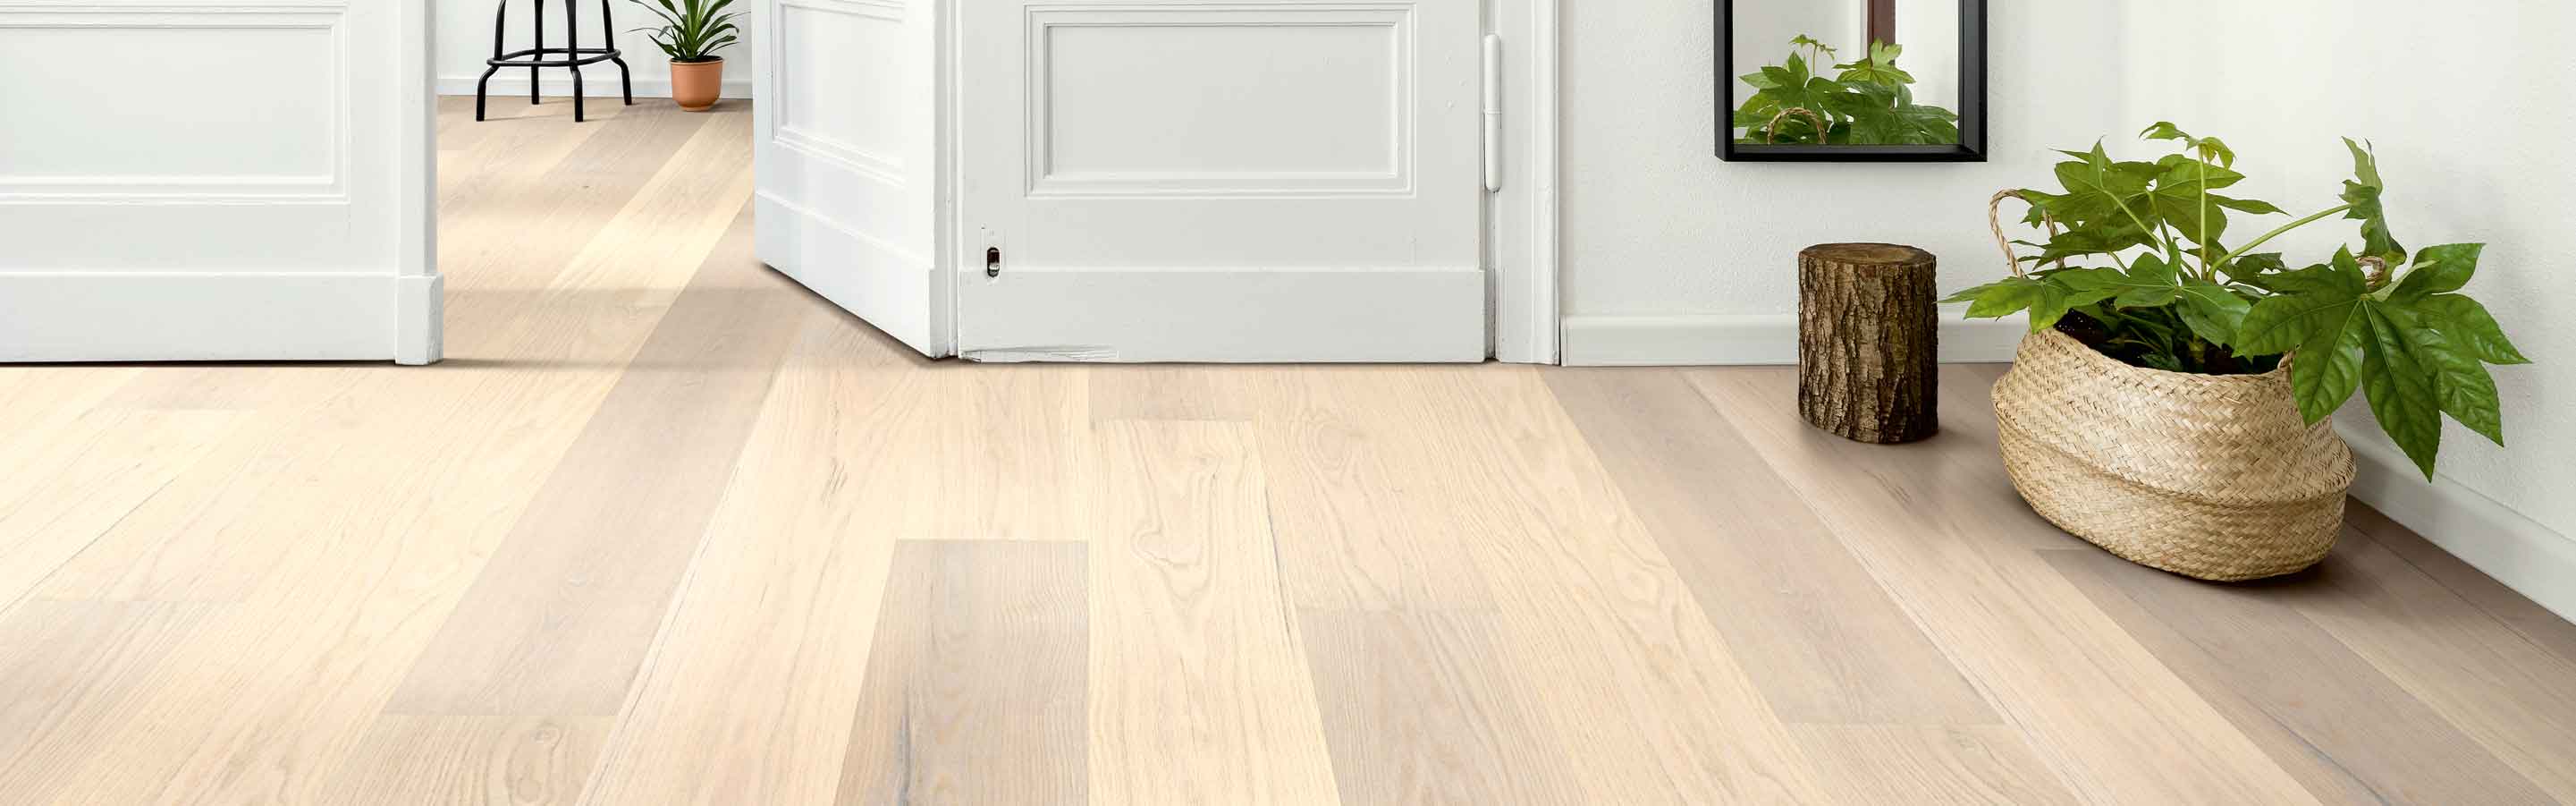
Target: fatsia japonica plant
point(1869, 102)
point(2176, 297)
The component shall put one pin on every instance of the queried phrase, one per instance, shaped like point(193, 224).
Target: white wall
point(1656, 224)
point(465, 40)
point(1675, 256)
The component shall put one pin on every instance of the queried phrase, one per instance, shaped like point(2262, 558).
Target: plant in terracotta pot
point(2171, 401)
point(691, 32)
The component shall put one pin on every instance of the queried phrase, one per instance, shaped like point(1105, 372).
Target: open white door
point(1253, 180)
point(216, 179)
point(848, 185)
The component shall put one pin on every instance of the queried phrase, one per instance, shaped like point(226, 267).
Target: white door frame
point(1523, 219)
point(420, 292)
point(1524, 268)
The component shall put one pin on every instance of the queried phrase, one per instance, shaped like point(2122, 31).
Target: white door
point(847, 157)
point(216, 179)
point(1248, 180)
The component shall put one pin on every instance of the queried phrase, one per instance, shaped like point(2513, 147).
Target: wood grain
point(1199, 690)
point(747, 695)
point(1918, 764)
point(2499, 688)
point(471, 761)
point(63, 661)
point(1354, 489)
point(1641, 691)
point(1806, 619)
point(2321, 711)
point(1418, 711)
point(557, 625)
point(2091, 699)
point(975, 686)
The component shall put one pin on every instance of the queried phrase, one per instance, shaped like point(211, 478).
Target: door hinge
point(993, 261)
point(1493, 113)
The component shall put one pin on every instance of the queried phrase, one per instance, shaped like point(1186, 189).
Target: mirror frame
point(1972, 104)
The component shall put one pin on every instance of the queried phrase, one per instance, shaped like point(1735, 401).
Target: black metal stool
point(574, 55)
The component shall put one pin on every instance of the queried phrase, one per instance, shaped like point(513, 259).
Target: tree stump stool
point(1868, 341)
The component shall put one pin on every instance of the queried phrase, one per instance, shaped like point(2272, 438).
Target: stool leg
point(541, 49)
point(608, 33)
point(572, 53)
point(483, 86)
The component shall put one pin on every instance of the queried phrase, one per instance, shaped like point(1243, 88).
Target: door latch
point(993, 261)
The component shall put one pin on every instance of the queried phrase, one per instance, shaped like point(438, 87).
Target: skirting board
point(1710, 340)
point(2532, 559)
point(594, 82)
point(211, 316)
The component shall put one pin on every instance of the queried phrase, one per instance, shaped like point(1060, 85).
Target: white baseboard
point(650, 82)
point(1740, 340)
point(198, 316)
point(2532, 559)
point(854, 270)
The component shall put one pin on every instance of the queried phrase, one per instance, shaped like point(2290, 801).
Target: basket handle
point(1994, 221)
point(1771, 131)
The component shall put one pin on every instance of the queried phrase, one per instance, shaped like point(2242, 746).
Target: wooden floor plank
point(87, 478)
point(2092, 701)
point(1419, 711)
point(63, 661)
point(975, 685)
point(471, 761)
point(340, 587)
point(1624, 668)
point(1806, 619)
point(1354, 496)
point(1198, 688)
point(2322, 712)
point(1165, 392)
point(558, 624)
point(2524, 616)
point(2511, 695)
point(1867, 765)
point(768, 647)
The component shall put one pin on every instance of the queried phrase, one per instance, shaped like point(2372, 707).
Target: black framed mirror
point(1851, 80)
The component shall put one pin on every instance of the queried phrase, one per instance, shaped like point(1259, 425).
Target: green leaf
point(2402, 390)
point(2000, 298)
point(2439, 270)
point(2284, 323)
point(2214, 313)
point(2248, 268)
point(2329, 363)
point(2050, 305)
point(2470, 327)
point(2253, 206)
point(2363, 193)
point(2098, 189)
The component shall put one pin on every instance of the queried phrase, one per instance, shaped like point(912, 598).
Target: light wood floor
point(667, 529)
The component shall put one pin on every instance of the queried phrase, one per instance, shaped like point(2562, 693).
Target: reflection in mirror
point(1898, 79)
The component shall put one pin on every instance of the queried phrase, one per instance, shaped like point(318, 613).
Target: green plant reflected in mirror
point(1851, 80)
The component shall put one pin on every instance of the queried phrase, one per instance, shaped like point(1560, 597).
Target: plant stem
point(2208, 270)
point(2231, 256)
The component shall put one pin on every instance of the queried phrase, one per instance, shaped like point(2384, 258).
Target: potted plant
point(2171, 405)
point(691, 32)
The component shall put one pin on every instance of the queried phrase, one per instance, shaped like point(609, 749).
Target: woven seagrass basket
point(2215, 477)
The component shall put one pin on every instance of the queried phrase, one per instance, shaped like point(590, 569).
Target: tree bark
point(1869, 341)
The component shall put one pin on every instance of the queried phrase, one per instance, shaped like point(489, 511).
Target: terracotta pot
point(695, 85)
